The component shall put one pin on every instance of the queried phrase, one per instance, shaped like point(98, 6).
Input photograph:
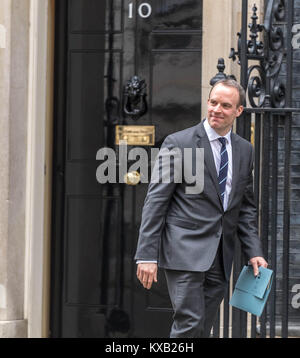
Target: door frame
point(39, 167)
point(59, 109)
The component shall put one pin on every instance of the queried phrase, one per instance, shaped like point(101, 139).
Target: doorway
point(100, 47)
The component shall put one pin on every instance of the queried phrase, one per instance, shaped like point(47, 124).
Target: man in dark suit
point(192, 236)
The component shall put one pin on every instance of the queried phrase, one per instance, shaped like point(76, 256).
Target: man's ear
point(239, 111)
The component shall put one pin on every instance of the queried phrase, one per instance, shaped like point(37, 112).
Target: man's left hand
point(256, 262)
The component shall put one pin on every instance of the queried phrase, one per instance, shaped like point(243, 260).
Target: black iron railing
point(267, 123)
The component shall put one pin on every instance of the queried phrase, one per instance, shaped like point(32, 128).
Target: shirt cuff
point(145, 262)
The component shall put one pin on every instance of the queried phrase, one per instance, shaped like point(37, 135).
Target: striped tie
point(223, 168)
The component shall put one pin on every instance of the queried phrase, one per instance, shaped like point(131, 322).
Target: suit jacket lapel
point(209, 158)
point(235, 166)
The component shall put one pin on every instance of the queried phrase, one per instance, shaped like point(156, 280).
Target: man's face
point(222, 108)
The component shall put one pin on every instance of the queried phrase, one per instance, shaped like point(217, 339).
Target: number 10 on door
point(144, 10)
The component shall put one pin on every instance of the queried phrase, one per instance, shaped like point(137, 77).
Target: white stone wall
point(26, 72)
point(14, 16)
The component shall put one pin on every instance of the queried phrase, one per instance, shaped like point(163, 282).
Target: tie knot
point(222, 140)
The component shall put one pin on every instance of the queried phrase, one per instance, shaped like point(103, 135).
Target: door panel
point(96, 293)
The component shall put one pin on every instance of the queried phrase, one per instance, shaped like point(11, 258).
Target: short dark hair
point(229, 82)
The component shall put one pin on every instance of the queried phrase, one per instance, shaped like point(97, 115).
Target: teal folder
point(251, 293)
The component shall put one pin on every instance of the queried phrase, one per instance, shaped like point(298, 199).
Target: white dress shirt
point(216, 149)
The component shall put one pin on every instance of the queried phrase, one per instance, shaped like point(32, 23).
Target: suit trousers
point(196, 297)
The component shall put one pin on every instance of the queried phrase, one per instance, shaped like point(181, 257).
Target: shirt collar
point(212, 134)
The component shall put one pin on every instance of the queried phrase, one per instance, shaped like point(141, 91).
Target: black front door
point(100, 46)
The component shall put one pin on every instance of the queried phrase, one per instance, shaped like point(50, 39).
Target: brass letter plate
point(135, 135)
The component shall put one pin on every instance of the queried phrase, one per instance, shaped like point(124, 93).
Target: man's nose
point(217, 108)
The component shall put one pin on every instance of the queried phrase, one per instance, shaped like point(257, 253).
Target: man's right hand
point(147, 273)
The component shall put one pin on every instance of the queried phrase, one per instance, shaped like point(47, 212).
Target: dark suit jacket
point(182, 231)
